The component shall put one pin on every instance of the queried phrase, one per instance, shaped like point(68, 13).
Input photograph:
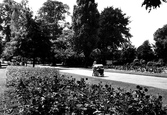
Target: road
point(2, 79)
point(157, 82)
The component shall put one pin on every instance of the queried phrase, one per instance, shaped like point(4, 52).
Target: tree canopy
point(113, 30)
point(8, 13)
point(13, 27)
point(128, 53)
point(92, 33)
point(63, 46)
point(160, 37)
point(152, 4)
point(26, 36)
point(85, 25)
point(145, 51)
point(52, 15)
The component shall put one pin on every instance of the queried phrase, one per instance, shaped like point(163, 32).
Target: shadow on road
point(100, 76)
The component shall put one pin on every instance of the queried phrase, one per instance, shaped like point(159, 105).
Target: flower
point(146, 90)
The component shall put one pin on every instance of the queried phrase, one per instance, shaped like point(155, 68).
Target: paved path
point(152, 81)
point(2, 80)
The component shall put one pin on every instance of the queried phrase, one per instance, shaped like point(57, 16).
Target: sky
point(143, 24)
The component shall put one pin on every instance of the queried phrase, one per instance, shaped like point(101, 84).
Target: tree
point(63, 46)
point(35, 44)
point(152, 4)
point(160, 37)
point(113, 30)
point(96, 55)
point(13, 19)
point(85, 25)
point(6, 10)
point(1, 46)
point(10, 12)
point(128, 53)
point(52, 16)
point(27, 39)
point(145, 51)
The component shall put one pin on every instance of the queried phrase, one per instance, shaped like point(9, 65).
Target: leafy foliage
point(42, 91)
point(161, 43)
point(63, 48)
point(27, 38)
point(52, 15)
point(28, 42)
point(13, 19)
point(6, 11)
point(52, 18)
point(145, 51)
point(152, 4)
point(85, 26)
point(113, 30)
point(113, 27)
point(96, 55)
point(35, 44)
point(128, 53)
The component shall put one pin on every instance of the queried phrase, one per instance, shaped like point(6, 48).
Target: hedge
point(43, 91)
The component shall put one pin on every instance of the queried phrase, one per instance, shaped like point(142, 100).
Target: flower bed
point(42, 91)
point(142, 69)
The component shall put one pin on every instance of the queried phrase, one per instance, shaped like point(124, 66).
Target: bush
point(42, 91)
point(74, 61)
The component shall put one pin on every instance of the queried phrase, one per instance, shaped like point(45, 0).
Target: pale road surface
point(2, 80)
point(152, 81)
point(157, 82)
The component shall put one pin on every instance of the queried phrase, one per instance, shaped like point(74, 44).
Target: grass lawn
point(126, 86)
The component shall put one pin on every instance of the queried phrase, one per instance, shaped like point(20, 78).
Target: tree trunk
point(87, 60)
point(34, 62)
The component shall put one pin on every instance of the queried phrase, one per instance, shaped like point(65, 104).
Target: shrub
point(42, 91)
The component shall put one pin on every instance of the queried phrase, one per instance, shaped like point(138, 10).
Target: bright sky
point(143, 24)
